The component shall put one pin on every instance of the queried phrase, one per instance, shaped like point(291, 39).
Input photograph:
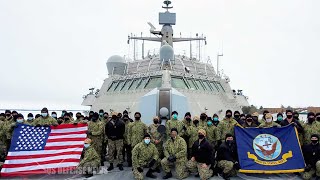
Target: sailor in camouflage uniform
point(156, 137)
point(95, 131)
point(227, 125)
point(90, 160)
point(203, 120)
point(6, 127)
point(44, 119)
point(268, 122)
point(136, 130)
point(213, 134)
point(126, 152)
point(145, 154)
point(2, 138)
point(175, 153)
point(192, 134)
point(174, 123)
point(310, 127)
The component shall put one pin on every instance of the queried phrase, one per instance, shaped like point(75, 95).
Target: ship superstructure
point(164, 82)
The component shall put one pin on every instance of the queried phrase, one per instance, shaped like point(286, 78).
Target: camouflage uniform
point(186, 123)
point(309, 175)
point(90, 160)
point(28, 122)
point(155, 135)
point(126, 148)
point(96, 129)
point(213, 134)
point(142, 155)
point(227, 167)
point(136, 132)
point(192, 133)
point(174, 124)
point(310, 129)
point(7, 131)
point(202, 123)
point(115, 145)
point(177, 148)
point(268, 125)
point(194, 166)
point(2, 141)
point(45, 121)
point(226, 126)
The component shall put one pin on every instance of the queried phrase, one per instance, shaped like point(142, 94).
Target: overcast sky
point(53, 51)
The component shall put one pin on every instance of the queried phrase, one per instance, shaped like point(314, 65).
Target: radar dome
point(116, 65)
point(166, 53)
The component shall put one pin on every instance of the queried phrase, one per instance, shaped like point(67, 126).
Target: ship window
point(154, 82)
point(213, 85)
point(221, 87)
point(178, 83)
point(134, 84)
point(119, 86)
point(192, 85)
point(207, 85)
point(113, 85)
point(142, 83)
point(200, 85)
point(127, 85)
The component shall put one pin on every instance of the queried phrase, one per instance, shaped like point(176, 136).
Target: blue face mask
point(100, 114)
point(175, 116)
point(62, 114)
point(54, 115)
point(147, 141)
point(44, 114)
point(20, 120)
point(209, 123)
point(280, 118)
point(86, 145)
point(30, 118)
point(216, 119)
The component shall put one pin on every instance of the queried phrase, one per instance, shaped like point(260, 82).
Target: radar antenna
point(167, 3)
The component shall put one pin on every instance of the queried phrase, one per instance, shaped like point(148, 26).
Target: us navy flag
point(269, 150)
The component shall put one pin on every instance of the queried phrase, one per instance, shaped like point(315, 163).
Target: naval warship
point(163, 82)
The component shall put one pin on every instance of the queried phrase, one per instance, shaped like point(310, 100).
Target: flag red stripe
point(65, 139)
point(68, 133)
point(62, 147)
point(43, 155)
point(42, 171)
point(39, 163)
point(66, 126)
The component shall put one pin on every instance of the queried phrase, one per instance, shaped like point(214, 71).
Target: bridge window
point(200, 85)
point(207, 85)
point(154, 82)
point(214, 86)
point(142, 83)
point(134, 84)
point(178, 83)
point(113, 85)
point(119, 86)
point(127, 85)
point(192, 84)
point(220, 86)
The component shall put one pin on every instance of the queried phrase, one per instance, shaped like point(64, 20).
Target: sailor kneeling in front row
point(145, 154)
point(90, 160)
point(311, 153)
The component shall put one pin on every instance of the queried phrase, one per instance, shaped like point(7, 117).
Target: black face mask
point(114, 117)
point(155, 121)
point(228, 115)
point(137, 118)
point(94, 119)
point(125, 119)
point(249, 120)
point(289, 116)
point(202, 118)
point(125, 115)
point(255, 118)
point(106, 117)
point(196, 122)
point(236, 116)
point(59, 121)
point(201, 136)
point(188, 119)
point(314, 142)
point(229, 142)
point(310, 120)
point(66, 119)
point(8, 115)
point(296, 117)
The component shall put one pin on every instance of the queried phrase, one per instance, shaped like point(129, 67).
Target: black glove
point(45, 125)
point(140, 169)
point(275, 126)
point(184, 128)
point(152, 163)
point(307, 168)
point(75, 123)
point(89, 133)
point(172, 158)
point(236, 165)
point(38, 125)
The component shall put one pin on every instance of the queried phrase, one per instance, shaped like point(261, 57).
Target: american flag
point(42, 150)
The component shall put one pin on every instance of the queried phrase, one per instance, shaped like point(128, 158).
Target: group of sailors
point(200, 145)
